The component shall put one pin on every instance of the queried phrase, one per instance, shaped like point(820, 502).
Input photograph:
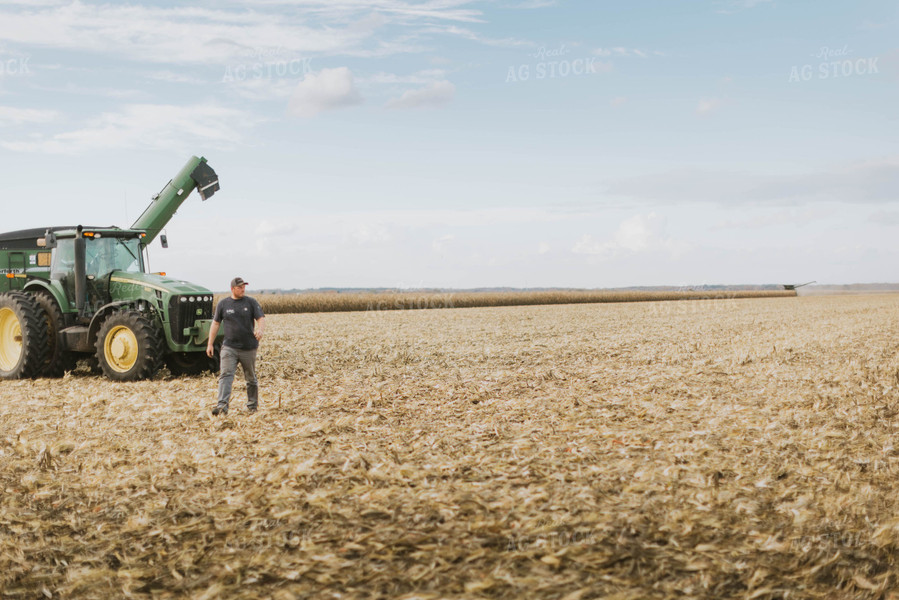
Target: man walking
point(244, 323)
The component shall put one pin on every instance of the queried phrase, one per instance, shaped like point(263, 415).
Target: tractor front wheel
point(190, 363)
point(23, 336)
point(129, 347)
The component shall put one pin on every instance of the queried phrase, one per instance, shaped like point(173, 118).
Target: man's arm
point(259, 329)
point(213, 331)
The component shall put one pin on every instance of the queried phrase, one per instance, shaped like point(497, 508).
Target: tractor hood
point(161, 283)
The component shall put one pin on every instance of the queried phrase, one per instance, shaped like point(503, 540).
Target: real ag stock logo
point(266, 64)
point(551, 64)
point(835, 63)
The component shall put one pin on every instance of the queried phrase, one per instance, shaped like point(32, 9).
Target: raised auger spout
point(196, 174)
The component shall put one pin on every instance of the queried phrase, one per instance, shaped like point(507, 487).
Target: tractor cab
point(105, 251)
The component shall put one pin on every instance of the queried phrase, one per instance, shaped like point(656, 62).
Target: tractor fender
point(41, 286)
point(101, 314)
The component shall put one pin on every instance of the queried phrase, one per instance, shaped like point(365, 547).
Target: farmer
point(244, 324)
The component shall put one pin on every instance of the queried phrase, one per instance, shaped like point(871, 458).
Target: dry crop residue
point(711, 449)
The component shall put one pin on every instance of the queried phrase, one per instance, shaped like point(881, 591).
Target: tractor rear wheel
point(23, 336)
point(58, 361)
point(129, 347)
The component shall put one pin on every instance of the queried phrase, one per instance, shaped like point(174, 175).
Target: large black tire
point(190, 363)
point(58, 361)
point(129, 347)
point(23, 336)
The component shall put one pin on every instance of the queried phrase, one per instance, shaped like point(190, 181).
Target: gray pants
point(229, 359)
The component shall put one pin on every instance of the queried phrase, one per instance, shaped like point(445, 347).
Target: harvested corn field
point(712, 449)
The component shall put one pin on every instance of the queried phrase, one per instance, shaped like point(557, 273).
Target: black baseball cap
point(237, 282)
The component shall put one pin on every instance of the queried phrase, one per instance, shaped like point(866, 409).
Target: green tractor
point(84, 292)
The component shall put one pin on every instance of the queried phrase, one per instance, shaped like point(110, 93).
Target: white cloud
point(173, 77)
point(326, 90)
point(708, 105)
point(275, 228)
point(622, 52)
point(343, 10)
point(887, 218)
point(587, 244)
point(603, 67)
point(543, 248)
point(10, 115)
point(32, 3)
point(732, 6)
point(263, 89)
point(419, 78)
point(84, 90)
point(532, 4)
point(199, 35)
point(166, 35)
point(890, 64)
point(639, 233)
point(636, 235)
point(438, 93)
point(321, 234)
point(326, 232)
point(791, 218)
point(412, 219)
point(441, 243)
point(477, 37)
point(365, 234)
point(153, 126)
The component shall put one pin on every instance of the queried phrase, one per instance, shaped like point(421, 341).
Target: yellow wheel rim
point(10, 339)
point(120, 349)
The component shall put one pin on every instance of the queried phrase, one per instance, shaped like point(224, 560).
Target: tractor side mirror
point(164, 241)
point(49, 240)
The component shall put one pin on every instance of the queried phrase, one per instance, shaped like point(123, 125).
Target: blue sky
point(453, 143)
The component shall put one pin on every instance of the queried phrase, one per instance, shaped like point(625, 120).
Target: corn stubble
point(720, 449)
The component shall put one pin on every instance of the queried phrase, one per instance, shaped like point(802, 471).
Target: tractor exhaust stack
point(80, 271)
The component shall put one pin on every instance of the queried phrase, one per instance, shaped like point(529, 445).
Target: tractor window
point(106, 254)
point(63, 259)
point(128, 256)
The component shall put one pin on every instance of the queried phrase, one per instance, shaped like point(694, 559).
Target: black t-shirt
point(239, 317)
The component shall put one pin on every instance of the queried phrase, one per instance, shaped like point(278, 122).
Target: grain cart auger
point(84, 292)
point(792, 287)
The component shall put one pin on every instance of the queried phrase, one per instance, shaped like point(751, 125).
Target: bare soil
point(739, 448)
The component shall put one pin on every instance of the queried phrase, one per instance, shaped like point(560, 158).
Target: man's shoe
point(251, 410)
point(218, 410)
